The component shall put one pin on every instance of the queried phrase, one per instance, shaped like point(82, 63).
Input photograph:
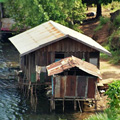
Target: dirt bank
point(109, 72)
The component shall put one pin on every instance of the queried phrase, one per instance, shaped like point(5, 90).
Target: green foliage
point(98, 116)
point(113, 113)
point(104, 56)
point(108, 114)
point(103, 20)
point(113, 46)
point(115, 5)
point(98, 28)
point(113, 93)
point(115, 59)
point(116, 21)
point(34, 12)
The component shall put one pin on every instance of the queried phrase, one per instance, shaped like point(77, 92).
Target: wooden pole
point(75, 106)
point(63, 105)
point(79, 106)
point(95, 104)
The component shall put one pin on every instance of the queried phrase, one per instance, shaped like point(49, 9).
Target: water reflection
point(13, 106)
point(9, 99)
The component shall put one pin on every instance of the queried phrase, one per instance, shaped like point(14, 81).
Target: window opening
point(59, 56)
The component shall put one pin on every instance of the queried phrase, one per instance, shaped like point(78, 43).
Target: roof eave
point(106, 52)
point(46, 44)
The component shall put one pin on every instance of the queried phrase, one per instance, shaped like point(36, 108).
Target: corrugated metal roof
point(48, 33)
point(71, 62)
point(7, 24)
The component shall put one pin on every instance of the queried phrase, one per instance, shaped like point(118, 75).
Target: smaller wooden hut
point(73, 87)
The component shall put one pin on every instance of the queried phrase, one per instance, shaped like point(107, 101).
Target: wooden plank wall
point(81, 86)
point(46, 55)
point(74, 87)
point(67, 45)
point(91, 90)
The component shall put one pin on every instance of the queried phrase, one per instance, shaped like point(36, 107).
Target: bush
point(108, 114)
point(103, 20)
point(113, 93)
point(113, 46)
point(115, 5)
point(98, 116)
point(116, 21)
point(115, 59)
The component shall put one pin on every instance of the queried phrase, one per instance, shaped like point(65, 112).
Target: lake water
point(14, 105)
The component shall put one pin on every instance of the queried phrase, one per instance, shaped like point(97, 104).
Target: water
point(14, 105)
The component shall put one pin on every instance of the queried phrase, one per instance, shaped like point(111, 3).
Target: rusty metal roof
point(48, 33)
point(71, 62)
point(7, 24)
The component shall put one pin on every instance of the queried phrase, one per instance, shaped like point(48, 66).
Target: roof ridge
point(53, 23)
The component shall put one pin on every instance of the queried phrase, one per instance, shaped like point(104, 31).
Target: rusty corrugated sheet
point(57, 86)
point(48, 33)
point(62, 86)
point(82, 86)
point(91, 87)
point(71, 62)
point(7, 24)
point(70, 86)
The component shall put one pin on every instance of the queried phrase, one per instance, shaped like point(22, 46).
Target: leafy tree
point(34, 12)
point(113, 93)
point(98, 3)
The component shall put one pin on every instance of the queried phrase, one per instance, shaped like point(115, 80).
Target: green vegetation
point(117, 22)
point(30, 13)
point(108, 114)
point(113, 43)
point(115, 5)
point(113, 93)
point(113, 112)
point(98, 3)
point(103, 20)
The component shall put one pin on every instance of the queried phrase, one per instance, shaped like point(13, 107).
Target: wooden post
point(63, 105)
point(52, 104)
point(52, 101)
point(95, 104)
point(75, 106)
point(79, 106)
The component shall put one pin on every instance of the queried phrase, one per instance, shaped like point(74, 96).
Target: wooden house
point(50, 42)
point(80, 85)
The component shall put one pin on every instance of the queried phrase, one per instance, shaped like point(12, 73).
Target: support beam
point(79, 106)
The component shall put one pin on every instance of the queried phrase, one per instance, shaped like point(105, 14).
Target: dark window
point(59, 56)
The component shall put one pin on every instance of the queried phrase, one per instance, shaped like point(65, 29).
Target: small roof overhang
point(70, 62)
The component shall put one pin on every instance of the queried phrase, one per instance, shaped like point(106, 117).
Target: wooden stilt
point(52, 104)
point(75, 106)
point(95, 104)
point(63, 105)
point(82, 105)
point(79, 106)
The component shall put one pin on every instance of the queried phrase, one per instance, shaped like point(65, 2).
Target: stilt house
point(50, 42)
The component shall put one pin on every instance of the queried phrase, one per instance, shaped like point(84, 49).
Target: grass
point(114, 59)
point(108, 114)
point(98, 116)
point(103, 21)
point(117, 22)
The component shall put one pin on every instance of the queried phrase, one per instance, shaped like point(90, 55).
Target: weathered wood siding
point(46, 55)
point(74, 87)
